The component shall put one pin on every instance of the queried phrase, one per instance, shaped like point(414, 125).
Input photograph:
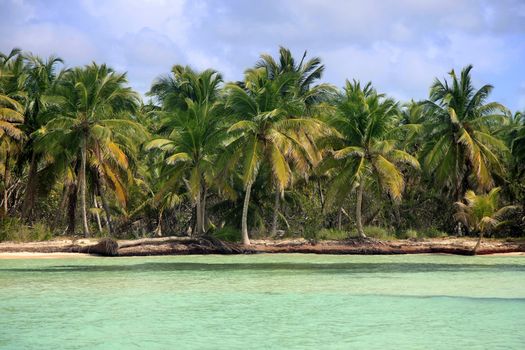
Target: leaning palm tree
point(461, 149)
point(194, 132)
point(481, 213)
point(264, 132)
point(94, 121)
point(363, 149)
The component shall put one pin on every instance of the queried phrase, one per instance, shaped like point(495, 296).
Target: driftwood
point(211, 245)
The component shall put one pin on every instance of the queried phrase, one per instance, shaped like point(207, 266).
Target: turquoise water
point(264, 302)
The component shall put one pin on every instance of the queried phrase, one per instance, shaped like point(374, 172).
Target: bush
point(433, 233)
point(228, 234)
point(408, 234)
point(12, 229)
point(332, 234)
point(377, 232)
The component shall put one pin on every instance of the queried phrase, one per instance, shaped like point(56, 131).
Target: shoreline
point(71, 248)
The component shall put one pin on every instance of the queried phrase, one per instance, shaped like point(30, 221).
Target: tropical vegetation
point(279, 153)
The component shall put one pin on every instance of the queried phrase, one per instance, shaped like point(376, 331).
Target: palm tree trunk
point(203, 208)
point(72, 208)
point(198, 209)
point(358, 208)
point(29, 197)
point(158, 231)
point(340, 219)
point(101, 185)
point(6, 182)
point(59, 214)
point(275, 212)
point(83, 204)
point(475, 250)
point(321, 196)
point(97, 216)
point(244, 222)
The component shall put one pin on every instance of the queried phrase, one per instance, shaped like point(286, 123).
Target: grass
point(12, 229)
point(332, 234)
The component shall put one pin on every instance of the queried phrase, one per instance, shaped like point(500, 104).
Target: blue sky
point(399, 45)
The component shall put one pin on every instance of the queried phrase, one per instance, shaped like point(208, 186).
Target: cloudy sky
point(399, 45)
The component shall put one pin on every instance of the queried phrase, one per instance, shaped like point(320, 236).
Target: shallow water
point(264, 302)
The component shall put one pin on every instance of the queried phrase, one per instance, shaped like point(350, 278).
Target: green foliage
point(80, 140)
point(432, 232)
point(376, 232)
point(408, 234)
point(12, 229)
point(228, 234)
point(460, 148)
point(332, 234)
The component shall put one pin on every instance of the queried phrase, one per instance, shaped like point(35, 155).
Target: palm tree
point(305, 75)
point(264, 132)
point(11, 113)
point(195, 129)
point(518, 141)
point(461, 150)
point(481, 213)
point(10, 119)
point(40, 81)
point(363, 149)
point(96, 123)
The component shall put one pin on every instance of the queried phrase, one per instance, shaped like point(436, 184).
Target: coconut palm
point(194, 129)
point(481, 213)
point(461, 151)
point(363, 149)
point(11, 113)
point(266, 128)
point(41, 79)
point(11, 118)
point(305, 74)
point(518, 137)
point(95, 122)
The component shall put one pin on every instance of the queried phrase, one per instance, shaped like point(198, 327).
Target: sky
point(399, 45)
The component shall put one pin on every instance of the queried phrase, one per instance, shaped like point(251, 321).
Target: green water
point(264, 302)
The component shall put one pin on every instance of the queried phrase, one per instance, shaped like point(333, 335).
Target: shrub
point(12, 229)
point(433, 233)
point(377, 232)
point(408, 234)
point(228, 234)
point(332, 234)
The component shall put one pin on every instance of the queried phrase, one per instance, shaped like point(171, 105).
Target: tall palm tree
point(461, 151)
point(481, 213)
point(95, 122)
point(195, 130)
point(304, 75)
point(363, 149)
point(307, 74)
point(11, 118)
point(264, 132)
point(41, 78)
point(11, 112)
point(518, 137)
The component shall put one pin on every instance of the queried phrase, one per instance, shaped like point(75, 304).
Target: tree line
point(278, 153)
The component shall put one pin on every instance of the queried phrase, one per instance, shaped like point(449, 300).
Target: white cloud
point(399, 45)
